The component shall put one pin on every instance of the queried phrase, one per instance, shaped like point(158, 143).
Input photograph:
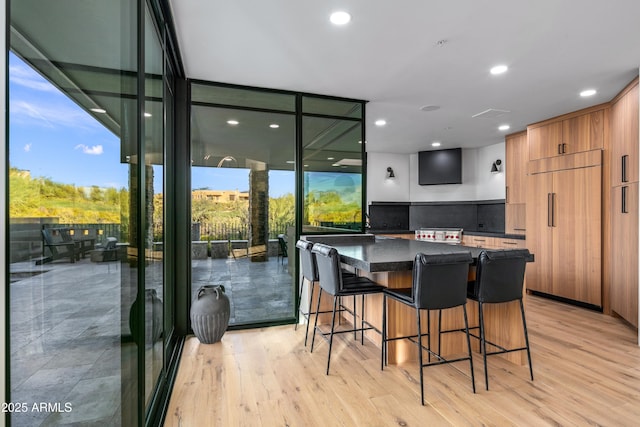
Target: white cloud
point(27, 147)
point(27, 77)
point(96, 150)
point(50, 115)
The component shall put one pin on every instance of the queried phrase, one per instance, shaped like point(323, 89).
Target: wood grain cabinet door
point(516, 153)
point(540, 232)
point(624, 252)
point(583, 133)
point(624, 138)
point(545, 141)
point(576, 217)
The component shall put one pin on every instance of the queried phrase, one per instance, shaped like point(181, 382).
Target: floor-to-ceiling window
point(243, 187)
point(90, 307)
point(249, 148)
point(332, 141)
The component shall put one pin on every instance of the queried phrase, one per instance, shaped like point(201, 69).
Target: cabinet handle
point(520, 229)
point(549, 219)
point(624, 199)
point(625, 159)
point(559, 148)
point(509, 243)
point(506, 195)
point(564, 148)
point(553, 209)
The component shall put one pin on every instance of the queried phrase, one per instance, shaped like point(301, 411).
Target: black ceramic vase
point(210, 312)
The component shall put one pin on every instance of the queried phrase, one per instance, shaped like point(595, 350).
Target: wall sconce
point(497, 166)
point(390, 174)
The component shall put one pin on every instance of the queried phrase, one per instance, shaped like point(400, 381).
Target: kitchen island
point(389, 262)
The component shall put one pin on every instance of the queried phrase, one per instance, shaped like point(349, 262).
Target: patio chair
point(60, 245)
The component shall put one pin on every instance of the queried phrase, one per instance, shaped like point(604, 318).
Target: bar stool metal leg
point(526, 338)
point(466, 328)
point(333, 324)
point(420, 355)
point(315, 323)
point(484, 346)
point(300, 288)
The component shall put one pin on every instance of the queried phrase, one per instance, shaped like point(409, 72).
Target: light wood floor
point(586, 369)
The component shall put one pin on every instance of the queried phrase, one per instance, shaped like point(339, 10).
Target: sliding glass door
point(242, 187)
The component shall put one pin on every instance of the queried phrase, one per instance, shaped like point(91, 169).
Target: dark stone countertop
point(393, 254)
point(386, 254)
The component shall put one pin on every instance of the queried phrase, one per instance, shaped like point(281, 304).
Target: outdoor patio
point(69, 334)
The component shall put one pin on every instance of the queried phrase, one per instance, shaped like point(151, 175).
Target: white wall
point(381, 189)
point(478, 183)
point(3, 207)
point(489, 185)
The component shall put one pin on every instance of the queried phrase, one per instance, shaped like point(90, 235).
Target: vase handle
point(200, 292)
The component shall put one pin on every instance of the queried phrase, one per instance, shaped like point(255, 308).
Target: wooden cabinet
point(624, 252)
point(569, 134)
point(517, 155)
point(564, 220)
point(539, 239)
point(624, 137)
point(515, 218)
point(624, 204)
point(544, 141)
point(488, 242)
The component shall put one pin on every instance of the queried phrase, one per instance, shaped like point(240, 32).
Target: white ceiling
point(389, 55)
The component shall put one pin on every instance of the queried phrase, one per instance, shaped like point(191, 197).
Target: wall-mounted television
point(440, 167)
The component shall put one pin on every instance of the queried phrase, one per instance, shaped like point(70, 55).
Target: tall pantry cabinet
point(624, 207)
point(517, 155)
point(564, 206)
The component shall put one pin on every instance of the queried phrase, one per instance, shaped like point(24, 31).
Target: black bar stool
point(499, 279)
point(332, 282)
point(439, 283)
point(309, 273)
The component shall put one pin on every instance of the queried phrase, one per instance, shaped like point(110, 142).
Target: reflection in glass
point(154, 210)
point(72, 146)
point(332, 159)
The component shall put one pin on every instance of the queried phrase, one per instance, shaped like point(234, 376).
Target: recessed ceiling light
point(429, 108)
point(290, 162)
point(381, 122)
point(340, 18)
point(331, 158)
point(499, 69)
point(359, 142)
point(147, 114)
point(98, 110)
point(435, 144)
point(503, 127)
point(306, 166)
point(274, 126)
point(335, 165)
point(588, 92)
point(232, 122)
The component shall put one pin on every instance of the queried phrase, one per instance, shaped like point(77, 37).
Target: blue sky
point(51, 136)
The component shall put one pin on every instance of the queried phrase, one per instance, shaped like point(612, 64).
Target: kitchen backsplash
point(483, 215)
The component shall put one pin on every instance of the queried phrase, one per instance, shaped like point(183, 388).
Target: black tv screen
point(440, 167)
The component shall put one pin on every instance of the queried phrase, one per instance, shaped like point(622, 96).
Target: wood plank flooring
point(586, 368)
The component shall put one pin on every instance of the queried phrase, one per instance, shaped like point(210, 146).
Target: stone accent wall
point(259, 212)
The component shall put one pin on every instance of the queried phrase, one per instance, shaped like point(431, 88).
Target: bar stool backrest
point(500, 275)
point(328, 262)
point(440, 281)
point(307, 260)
